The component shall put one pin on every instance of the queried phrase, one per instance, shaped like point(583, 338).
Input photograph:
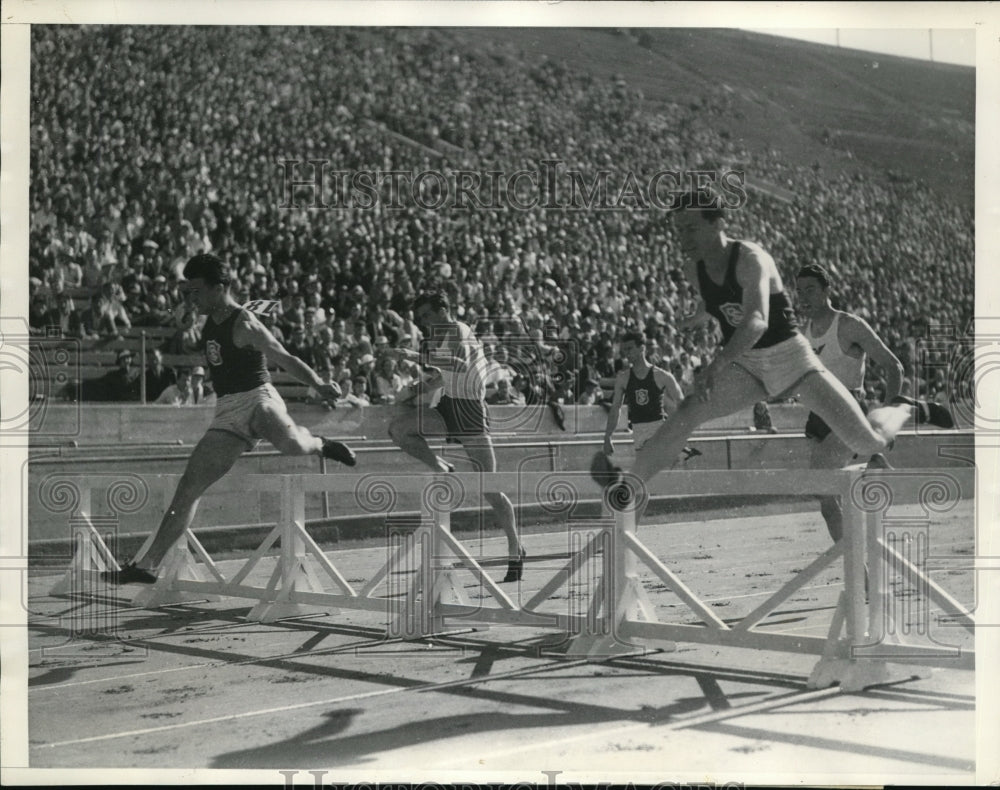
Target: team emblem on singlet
point(641, 397)
point(214, 352)
point(733, 313)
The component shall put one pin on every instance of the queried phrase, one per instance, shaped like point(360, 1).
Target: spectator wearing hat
point(204, 395)
point(122, 383)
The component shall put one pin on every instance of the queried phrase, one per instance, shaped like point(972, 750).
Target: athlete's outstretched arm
point(250, 332)
point(858, 331)
point(752, 275)
point(672, 392)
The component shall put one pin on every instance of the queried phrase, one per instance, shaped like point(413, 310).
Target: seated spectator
point(388, 383)
point(136, 308)
point(94, 322)
point(359, 390)
point(113, 305)
point(505, 394)
point(122, 383)
point(204, 395)
point(592, 393)
point(38, 314)
point(93, 272)
point(187, 339)
point(762, 418)
point(158, 376)
point(366, 369)
point(301, 345)
point(347, 396)
point(180, 393)
point(159, 313)
point(65, 317)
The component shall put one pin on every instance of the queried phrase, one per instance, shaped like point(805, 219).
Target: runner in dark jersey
point(763, 354)
point(237, 349)
point(648, 392)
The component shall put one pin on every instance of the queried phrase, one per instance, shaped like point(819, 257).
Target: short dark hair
point(634, 337)
point(210, 268)
point(816, 271)
point(435, 300)
point(704, 200)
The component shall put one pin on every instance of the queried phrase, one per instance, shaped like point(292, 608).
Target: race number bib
point(261, 307)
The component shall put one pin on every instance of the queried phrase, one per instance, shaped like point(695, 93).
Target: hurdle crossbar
point(428, 598)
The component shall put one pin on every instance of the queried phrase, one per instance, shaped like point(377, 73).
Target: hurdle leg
point(435, 582)
point(91, 555)
point(294, 571)
point(622, 598)
point(845, 660)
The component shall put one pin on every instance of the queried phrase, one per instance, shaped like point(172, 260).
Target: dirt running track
point(198, 686)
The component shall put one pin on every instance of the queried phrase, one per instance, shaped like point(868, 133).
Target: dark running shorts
point(463, 418)
point(819, 430)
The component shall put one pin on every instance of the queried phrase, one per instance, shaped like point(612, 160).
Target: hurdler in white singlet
point(470, 383)
point(849, 370)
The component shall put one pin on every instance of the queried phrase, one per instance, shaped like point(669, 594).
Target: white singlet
point(849, 370)
point(469, 384)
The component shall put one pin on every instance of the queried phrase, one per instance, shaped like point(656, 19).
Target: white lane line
point(332, 701)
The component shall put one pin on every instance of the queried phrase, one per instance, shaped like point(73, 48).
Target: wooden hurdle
point(619, 617)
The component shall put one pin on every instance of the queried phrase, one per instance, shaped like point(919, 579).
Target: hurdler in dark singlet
point(233, 369)
point(725, 303)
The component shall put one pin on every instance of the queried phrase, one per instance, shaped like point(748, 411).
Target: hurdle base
point(271, 611)
point(598, 646)
point(853, 675)
point(91, 558)
point(178, 565)
point(79, 580)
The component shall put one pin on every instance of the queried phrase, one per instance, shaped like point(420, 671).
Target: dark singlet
point(233, 369)
point(725, 303)
point(644, 398)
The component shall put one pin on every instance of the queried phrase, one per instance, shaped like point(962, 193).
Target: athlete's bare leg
point(822, 392)
point(831, 453)
point(409, 429)
point(481, 453)
point(211, 458)
point(733, 390)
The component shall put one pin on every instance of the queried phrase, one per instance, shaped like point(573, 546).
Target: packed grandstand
point(232, 140)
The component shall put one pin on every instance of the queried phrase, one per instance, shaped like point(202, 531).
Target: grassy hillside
point(839, 108)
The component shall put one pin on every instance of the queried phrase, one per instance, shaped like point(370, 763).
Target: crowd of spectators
point(151, 144)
